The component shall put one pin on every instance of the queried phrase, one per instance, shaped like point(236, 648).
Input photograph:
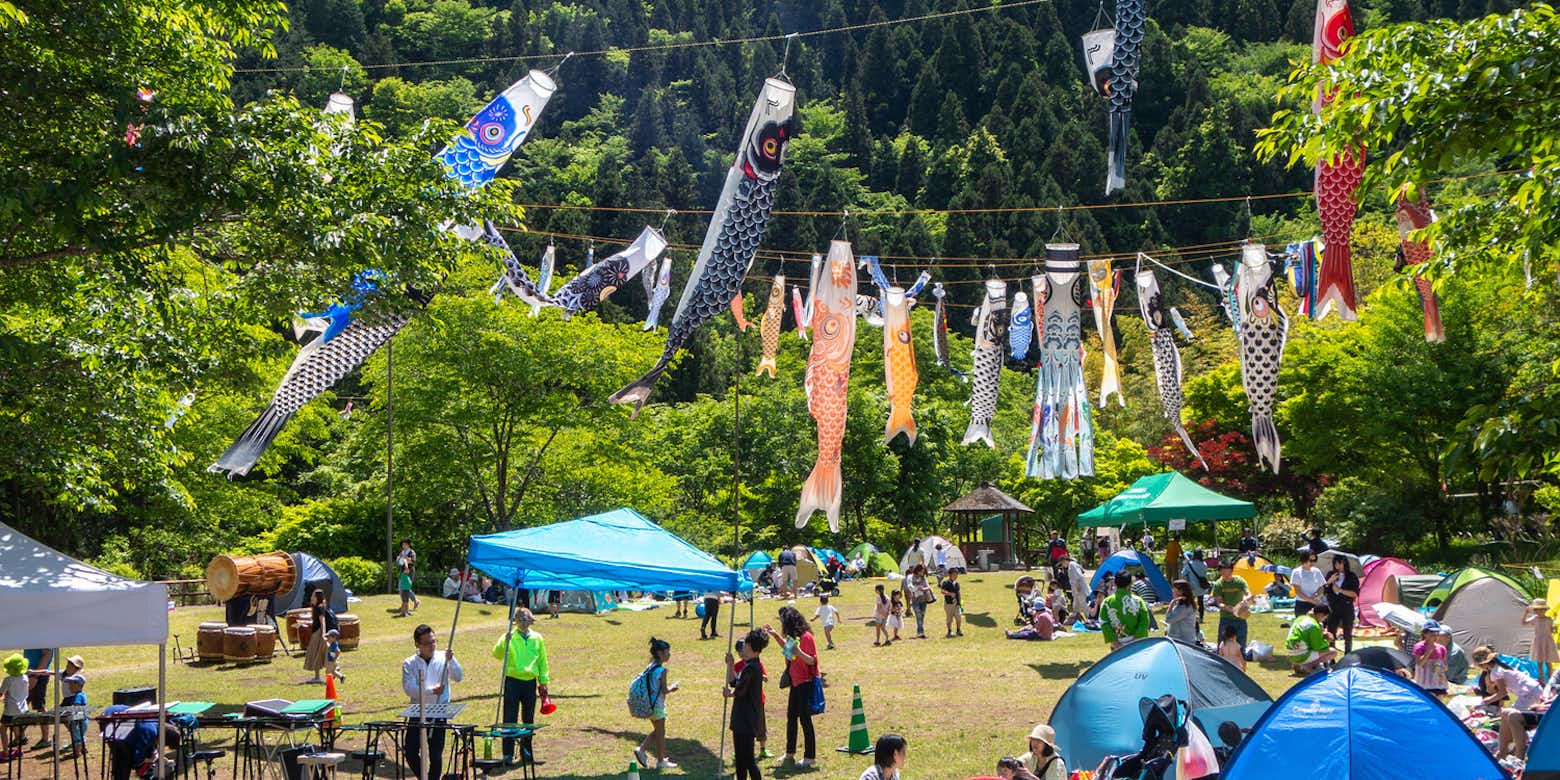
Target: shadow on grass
point(1061, 670)
point(693, 757)
point(980, 619)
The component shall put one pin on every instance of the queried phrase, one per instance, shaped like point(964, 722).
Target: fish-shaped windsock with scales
point(1131, 23)
point(1337, 176)
point(769, 326)
point(1167, 358)
point(474, 157)
point(1411, 216)
point(1263, 330)
point(828, 378)
point(663, 290)
point(991, 324)
point(735, 231)
point(1102, 294)
point(900, 374)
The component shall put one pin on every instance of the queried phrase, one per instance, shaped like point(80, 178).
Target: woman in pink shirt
point(801, 653)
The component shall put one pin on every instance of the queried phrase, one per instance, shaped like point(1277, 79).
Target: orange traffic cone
point(330, 693)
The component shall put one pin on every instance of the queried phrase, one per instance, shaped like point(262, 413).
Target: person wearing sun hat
point(1543, 650)
point(1044, 758)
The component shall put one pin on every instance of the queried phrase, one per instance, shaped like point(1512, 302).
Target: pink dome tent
point(1374, 579)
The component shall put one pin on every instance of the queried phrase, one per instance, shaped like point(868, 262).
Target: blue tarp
point(758, 561)
point(617, 550)
point(1359, 722)
point(1123, 559)
point(1098, 716)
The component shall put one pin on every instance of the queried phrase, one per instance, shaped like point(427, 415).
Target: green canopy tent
point(1159, 498)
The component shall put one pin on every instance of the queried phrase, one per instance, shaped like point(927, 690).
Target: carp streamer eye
point(771, 147)
point(1259, 306)
point(492, 133)
point(904, 337)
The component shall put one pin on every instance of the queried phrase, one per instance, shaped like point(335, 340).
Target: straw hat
point(1540, 605)
point(1045, 734)
point(76, 661)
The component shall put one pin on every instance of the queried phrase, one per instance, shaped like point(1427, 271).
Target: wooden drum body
point(209, 642)
point(238, 644)
point(293, 618)
point(305, 631)
point(351, 629)
point(265, 642)
point(229, 576)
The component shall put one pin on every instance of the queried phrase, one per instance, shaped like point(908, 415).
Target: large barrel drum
point(265, 642)
point(209, 641)
point(228, 576)
point(238, 644)
point(351, 628)
point(293, 616)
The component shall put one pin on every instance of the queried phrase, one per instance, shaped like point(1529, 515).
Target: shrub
point(360, 575)
point(122, 569)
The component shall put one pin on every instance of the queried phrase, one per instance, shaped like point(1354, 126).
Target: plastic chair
point(321, 766)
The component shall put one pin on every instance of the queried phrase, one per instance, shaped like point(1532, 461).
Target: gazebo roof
point(985, 500)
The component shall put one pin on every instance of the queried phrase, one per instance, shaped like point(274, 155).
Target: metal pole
point(390, 465)
point(58, 684)
point(449, 643)
point(736, 546)
point(162, 705)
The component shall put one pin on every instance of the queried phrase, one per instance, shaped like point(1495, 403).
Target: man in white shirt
point(1309, 582)
point(941, 557)
point(424, 681)
point(451, 589)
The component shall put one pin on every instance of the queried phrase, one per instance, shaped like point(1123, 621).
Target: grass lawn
point(962, 703)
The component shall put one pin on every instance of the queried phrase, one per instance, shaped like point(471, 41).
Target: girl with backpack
point(801, 676)
point(649, 689)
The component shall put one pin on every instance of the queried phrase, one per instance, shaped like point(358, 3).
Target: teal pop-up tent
point(617, 550)
point(1159, 498)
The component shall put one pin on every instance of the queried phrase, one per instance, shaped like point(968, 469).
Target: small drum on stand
point(293, 616)
point(238, 644)
point(350, 629)
point(209, 642)
point(265, 642)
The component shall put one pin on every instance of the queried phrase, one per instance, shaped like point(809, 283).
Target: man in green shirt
point(1230, 593)
point(1307, 644)
point(1123, 616)
point(525, 675)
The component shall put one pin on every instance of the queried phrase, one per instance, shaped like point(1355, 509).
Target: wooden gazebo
point(966, 524)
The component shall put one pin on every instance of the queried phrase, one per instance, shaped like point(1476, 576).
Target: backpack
point(643, 693)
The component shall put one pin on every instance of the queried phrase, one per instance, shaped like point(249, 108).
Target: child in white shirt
point(828, 615)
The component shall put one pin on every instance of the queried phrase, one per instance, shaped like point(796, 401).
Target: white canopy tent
point(39, 585)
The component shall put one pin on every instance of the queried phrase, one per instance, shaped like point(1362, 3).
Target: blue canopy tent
point(1125, 559)
point(1097, 716)
point(617, 550)
point(1359, 722)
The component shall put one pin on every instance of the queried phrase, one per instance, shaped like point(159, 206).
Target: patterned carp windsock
point(870, 309)
point(514, 277)
point(1061, 433)
point(898, 365)
point(472, 158)
point(991, 323)
point(1021, 328)
point(769, 330)
point(735, 230)
point(1336, 177)
point(738, 314)
point(812, 284)
point(799, 313)
point(1167, 358)
point(1102, 293)
point(663, 290)
point(1263, 329)
point(585, 292)
point(1131, 21)
point(940, 333)
point(828, 376)
point(1412, 216)
point(544, 274)
point(1300, 259)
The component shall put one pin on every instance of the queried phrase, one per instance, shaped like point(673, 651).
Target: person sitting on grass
point(1044, 759)
point(1123, 616)
point(1500, 681)
point(888, 757)
point(1308, 645)
point(1010, 768)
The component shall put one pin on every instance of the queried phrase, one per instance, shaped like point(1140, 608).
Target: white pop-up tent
point(39, 585)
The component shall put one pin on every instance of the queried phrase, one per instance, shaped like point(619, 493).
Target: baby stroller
point(1024, 590)
point(1164, 731)
point(826, 585)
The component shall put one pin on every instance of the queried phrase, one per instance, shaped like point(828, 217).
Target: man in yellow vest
point(525, 676)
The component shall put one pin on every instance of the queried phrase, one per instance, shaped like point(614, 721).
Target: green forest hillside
point(951, 132)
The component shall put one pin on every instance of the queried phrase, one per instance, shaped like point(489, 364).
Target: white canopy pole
point(162, 705)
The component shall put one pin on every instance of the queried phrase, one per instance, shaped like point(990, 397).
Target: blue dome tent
point(1098, 716)
point(1543, 758)
point(1355, 722)
point(1125, 559)
point(756, 562)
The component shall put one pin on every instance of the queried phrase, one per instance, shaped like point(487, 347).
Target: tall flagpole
point(390, 464)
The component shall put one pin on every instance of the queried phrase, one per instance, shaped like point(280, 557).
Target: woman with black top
point(745, 687)
point(321, 619)
point(1343, 587)
point(801, 653)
